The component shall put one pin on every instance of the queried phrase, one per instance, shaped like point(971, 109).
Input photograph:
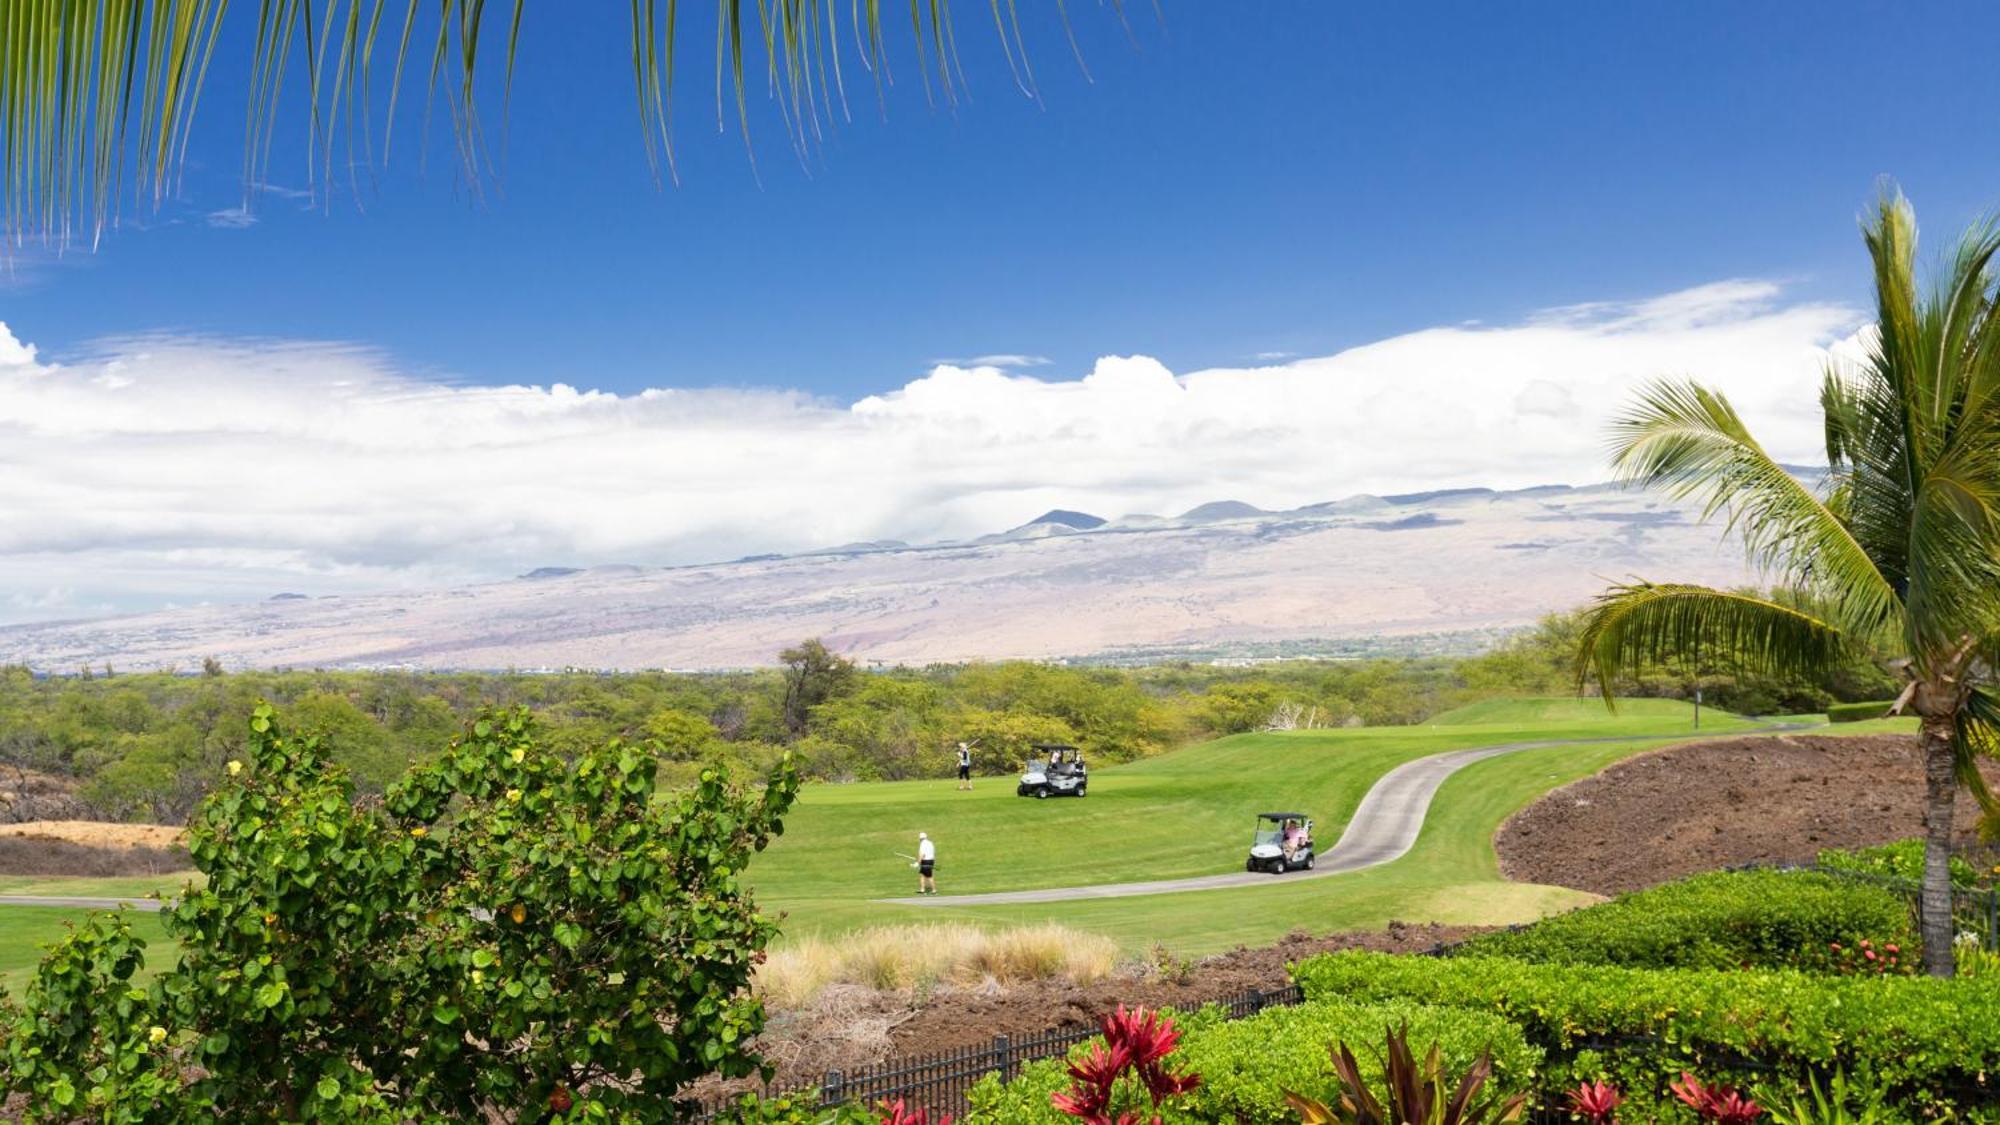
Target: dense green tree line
point(147, 745)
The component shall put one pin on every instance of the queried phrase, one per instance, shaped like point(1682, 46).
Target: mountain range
point(1454, 568)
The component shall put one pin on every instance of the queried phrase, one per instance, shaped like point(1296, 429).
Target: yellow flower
point(235, 767)
point(157, 1035)
point(513, 794)
point(419, 830)
point(478, 977)
point(518, 754)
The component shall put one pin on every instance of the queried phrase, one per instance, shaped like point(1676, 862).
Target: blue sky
point(1280, 253)
point(1283, 177)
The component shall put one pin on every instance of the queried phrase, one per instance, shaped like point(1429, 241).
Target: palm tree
point(1898, 550)
point(94, 91)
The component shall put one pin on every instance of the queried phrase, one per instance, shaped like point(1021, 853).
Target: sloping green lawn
point(1186, 813)
point(1190, 813)
point(25, 931)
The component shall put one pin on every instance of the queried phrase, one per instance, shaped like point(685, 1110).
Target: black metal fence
point(940, 1082)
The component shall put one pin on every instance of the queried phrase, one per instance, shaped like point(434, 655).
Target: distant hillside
point(1081, 521)
point(1357, 574)
point(1215, 511)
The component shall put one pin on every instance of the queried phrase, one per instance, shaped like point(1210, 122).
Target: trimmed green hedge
point(1903, 859)
point(1720, 920)
point(1247, 1065)
point(1858, 712)
point(1932, 1043)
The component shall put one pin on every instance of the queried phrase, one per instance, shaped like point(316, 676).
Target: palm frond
point(1917, 426)
point(1839, 406)
point(1977, 736)
point(1686, 439)
point(96, 94)
point(1954, 588)
point(1643, 624)
point(1900, 350)
point(85, 86)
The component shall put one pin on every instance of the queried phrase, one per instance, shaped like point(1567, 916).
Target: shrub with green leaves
point(800, 1107)
point(1718, 920)
point(1247, 1065)
point(1932, 1043)
point(1902, 859)
point(507, 933)
point(86, 1043)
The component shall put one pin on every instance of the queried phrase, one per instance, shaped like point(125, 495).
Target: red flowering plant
point(1724, 1105)
point(1596, 1102)
point(1127, 1073)
point(1866, 958)
point(896, 1113)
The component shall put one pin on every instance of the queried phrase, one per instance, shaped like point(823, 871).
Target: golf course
point(1182, 814)
point(1189, 813)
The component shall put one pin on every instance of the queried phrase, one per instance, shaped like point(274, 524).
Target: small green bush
point(800, 1107)
point(117, 1068)
point(509, 934)
point(1247, 1065)
point(1903, 859)
point(1934, 1043)
point(1719, 920)
point(1858, 712)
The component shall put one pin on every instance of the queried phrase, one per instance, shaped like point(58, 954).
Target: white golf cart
point(1055, 771)
point(1283, 842)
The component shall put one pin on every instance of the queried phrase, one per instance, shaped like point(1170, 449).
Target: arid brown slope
point(1715, 804)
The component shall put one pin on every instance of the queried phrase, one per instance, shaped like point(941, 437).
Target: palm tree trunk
point(1940, 790)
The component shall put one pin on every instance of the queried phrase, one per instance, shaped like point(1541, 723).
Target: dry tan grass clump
point(917, 959)
point(99, 834)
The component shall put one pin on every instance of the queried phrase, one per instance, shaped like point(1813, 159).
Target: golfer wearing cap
point(965, 764)
point(926, 864)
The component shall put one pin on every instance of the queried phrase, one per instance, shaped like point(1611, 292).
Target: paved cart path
point(1384, 827)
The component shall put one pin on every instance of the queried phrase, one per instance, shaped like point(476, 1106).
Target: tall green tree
point(1899, 549)
point(97, 96)
point(814, 674)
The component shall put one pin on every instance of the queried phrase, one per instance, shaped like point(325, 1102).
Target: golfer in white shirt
point(926, 865)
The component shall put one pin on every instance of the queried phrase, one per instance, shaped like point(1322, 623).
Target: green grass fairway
point(133, 886)
point(25, 931)
point(1190, 813)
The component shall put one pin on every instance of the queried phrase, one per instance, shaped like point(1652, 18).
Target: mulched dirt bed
point(973, 1020)
point(1699, 807)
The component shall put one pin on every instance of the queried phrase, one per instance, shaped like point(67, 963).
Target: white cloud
point(284, 192)
point(232, 218)
point(188, 469)
point(1003, 359)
